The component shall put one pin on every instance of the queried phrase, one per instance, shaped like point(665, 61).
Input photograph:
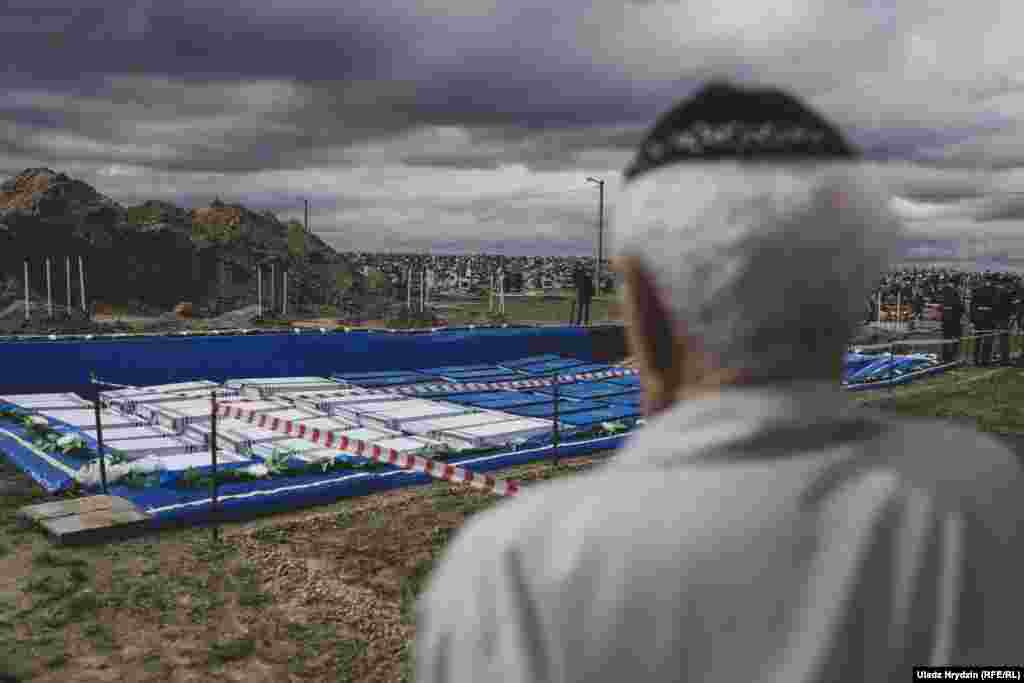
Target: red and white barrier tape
point(454, 387)
point(388, 456)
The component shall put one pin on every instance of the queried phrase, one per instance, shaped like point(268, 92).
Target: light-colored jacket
point(776, 535)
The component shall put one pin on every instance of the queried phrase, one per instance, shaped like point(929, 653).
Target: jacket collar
point(747, 421)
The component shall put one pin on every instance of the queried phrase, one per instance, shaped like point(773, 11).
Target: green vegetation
point(143, 215)
point(317, 641)
point(296, 240)
point(218, 234)
point(377, 282)
point(991, 398)
point(406, 319)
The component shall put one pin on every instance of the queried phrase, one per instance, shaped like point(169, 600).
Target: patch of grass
point(57, 661)
point(4, 549)
point(50, 558)
point(316, 639)
point(150, 594)
point(100, 636)
point(78, 608)
point(466, 503)
point(376, 520)
point(211, 552)
point(224, 651)
point(992, 401)
point(153, 663)
point(412, 586)
point(271, 534)
point(408, 670)
point(343, 519)
point(246, 582)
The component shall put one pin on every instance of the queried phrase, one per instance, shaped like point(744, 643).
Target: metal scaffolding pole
point(67, 270)
point(28, 304)
point(49, 288)
point(81, 283)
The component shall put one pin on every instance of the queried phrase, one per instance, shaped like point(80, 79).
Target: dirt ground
point(323, 594)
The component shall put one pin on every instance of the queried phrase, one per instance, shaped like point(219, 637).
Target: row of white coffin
point(169, 422)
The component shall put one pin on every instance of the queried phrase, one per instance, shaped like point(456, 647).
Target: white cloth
point(759, 535)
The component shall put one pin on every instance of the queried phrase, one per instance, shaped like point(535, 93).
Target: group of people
point(988, 301)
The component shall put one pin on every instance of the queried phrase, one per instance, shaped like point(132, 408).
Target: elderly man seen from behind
point(760, 527)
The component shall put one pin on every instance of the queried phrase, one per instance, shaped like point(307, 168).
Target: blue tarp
point(59, 366)
point(588, 367)
point(396, 381)
point(461, 370)
point(356, 377)
point(888, 367)
point(547, 410)
point(466, 374)
point(492, 377)
point(630, 399)
point(506, 399)
point(549, 367)
point(466, 397)
point(528, 360)
point(590, 417)
point(590, 390)
point(191, 506)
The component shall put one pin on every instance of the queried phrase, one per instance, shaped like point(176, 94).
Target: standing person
point(1003, 314)
point(982, 308)
point(760, 527)
point(584, 293)
point(952, 326)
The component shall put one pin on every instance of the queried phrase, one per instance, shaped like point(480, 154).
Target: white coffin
point(163, 388)
point(322, 400)
point(325, 425)
point(497, 434)
point(339, 404)
point(398, 414)
point(265, 391)
point(276, 419)
point(84, 418)
point(175, 415)
point(46, 401)
point(144, 431)
point(236, 437)
point(131, 403)
point(301, 449)
point(269, 381)
point(408, 444)
point(180, 463)
point(371, 435)
point(439, 424)
point(134, 449)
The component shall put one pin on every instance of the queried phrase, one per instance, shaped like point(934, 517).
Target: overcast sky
point(465, 126)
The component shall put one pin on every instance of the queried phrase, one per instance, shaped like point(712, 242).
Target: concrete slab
point(88, 520)
point(75, 506)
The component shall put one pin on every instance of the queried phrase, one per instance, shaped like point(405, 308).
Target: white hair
point(768, 265)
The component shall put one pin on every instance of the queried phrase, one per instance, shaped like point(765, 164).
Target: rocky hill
point(151, 256)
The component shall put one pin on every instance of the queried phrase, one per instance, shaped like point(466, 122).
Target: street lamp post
point(600, 233)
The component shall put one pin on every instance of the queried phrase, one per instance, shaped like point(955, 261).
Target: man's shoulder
point(956, 464)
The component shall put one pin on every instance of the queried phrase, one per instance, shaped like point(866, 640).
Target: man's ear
point(651, 337)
